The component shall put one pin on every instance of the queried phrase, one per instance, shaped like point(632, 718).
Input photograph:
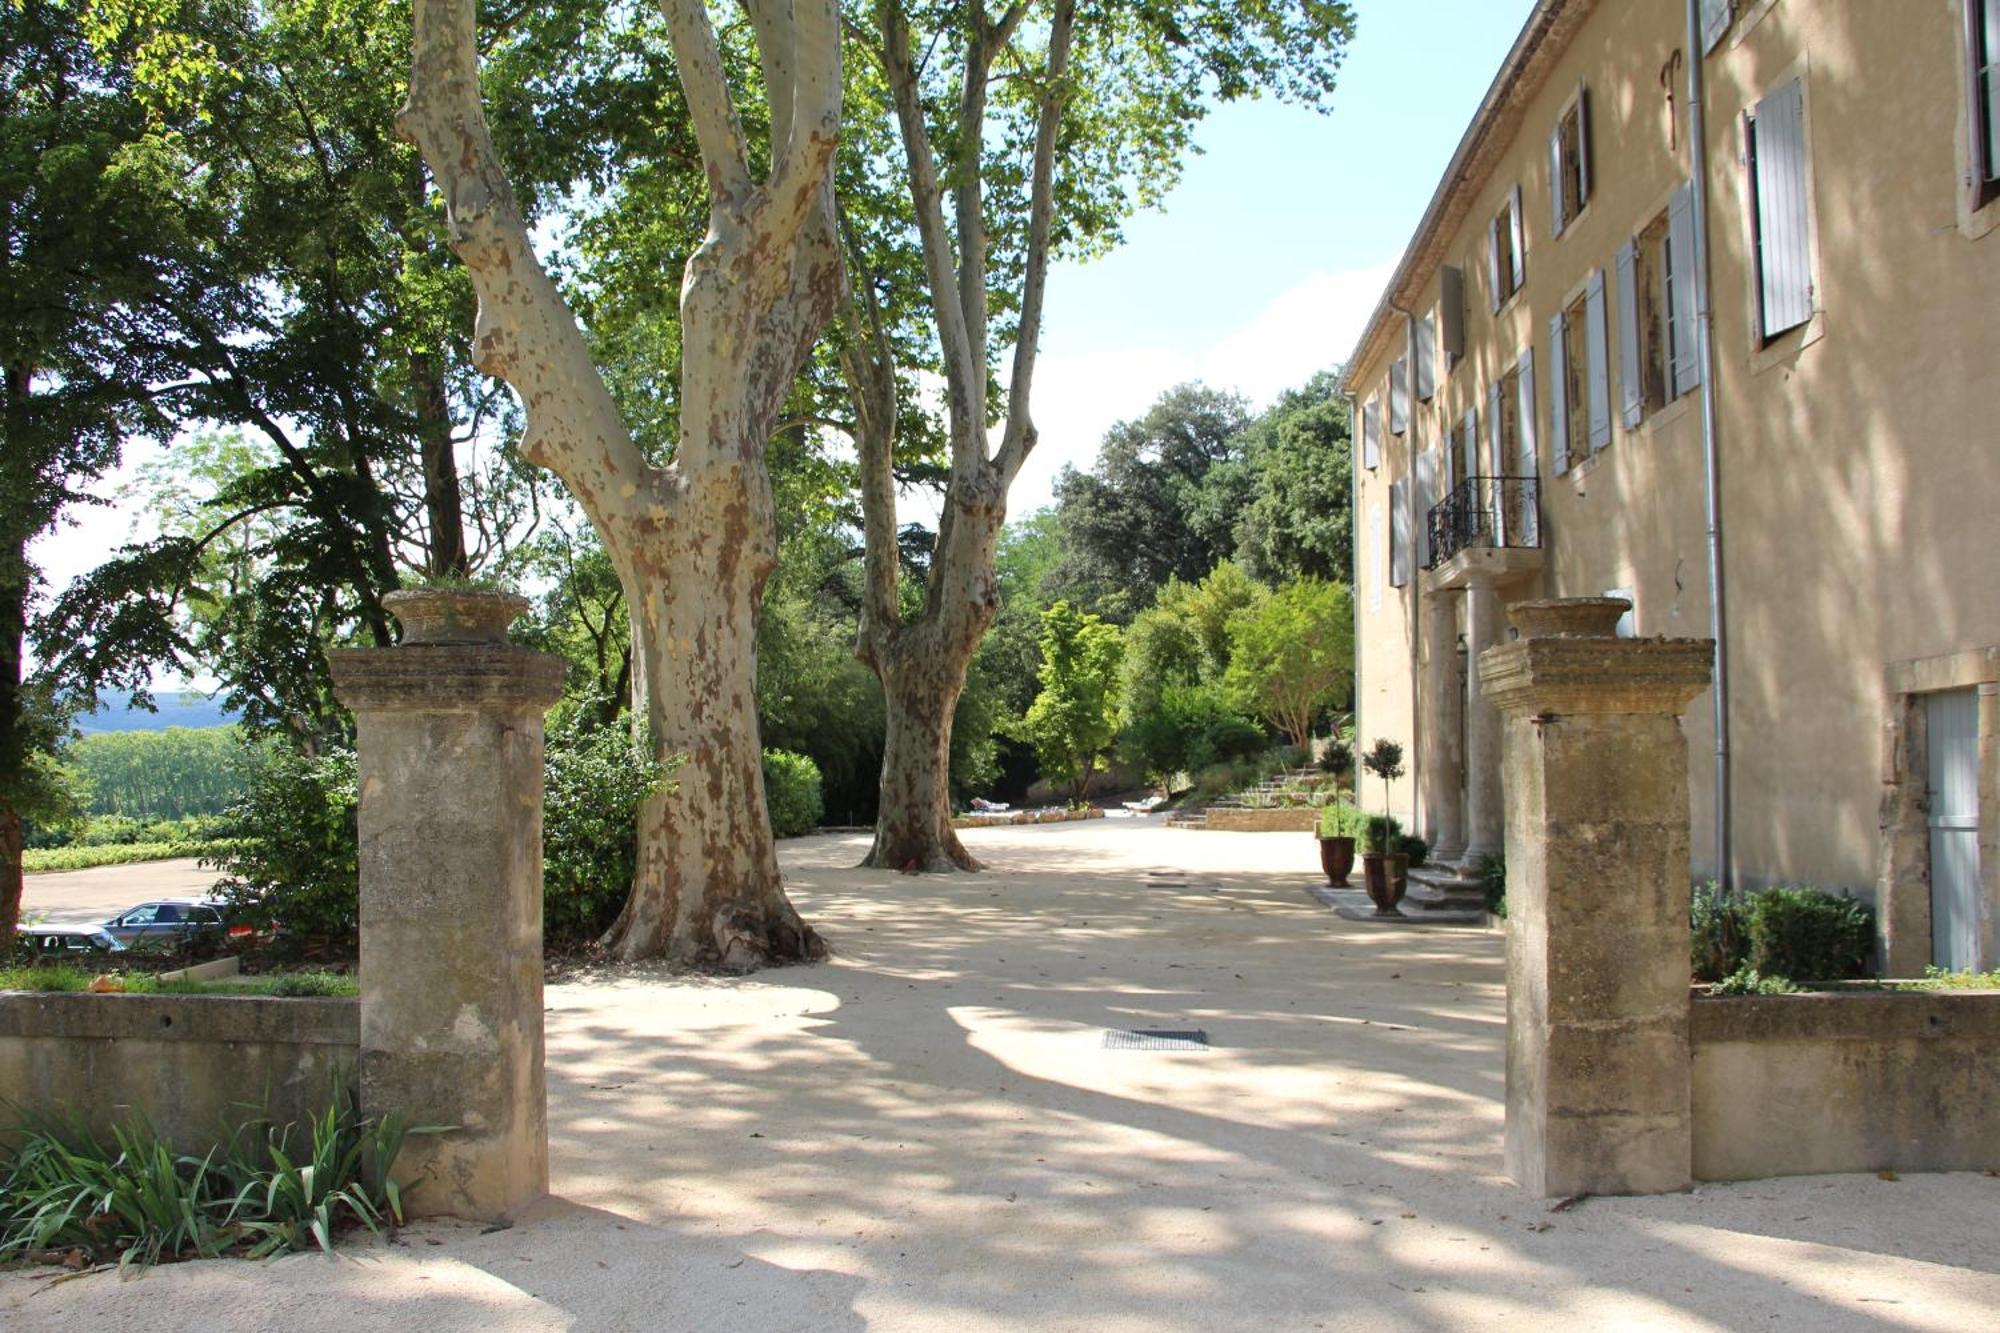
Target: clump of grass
point(1940, 978)
point(67, 977)
point(1748, 981)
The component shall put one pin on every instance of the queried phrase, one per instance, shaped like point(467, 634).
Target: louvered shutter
point(1399, 397)
point(1631, 395)
point(1426, 358)
point(1681, 332)
point(1558, 396)
point(1583, 146)
point(1556, 218)
point(1399, 533)
point(1526, 467)
point(1371, 434)
point(1598, 336)
point(1471, 443)
point(1496, 464)
point(1520, 255)
point(1451, 310)
point(1715, 16)
point(1493, 263)
point(1778, 161)
point(1427, 498)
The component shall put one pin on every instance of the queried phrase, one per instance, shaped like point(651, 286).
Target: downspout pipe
point(1412, 604)
point(1710, 452)
point(1356, 537)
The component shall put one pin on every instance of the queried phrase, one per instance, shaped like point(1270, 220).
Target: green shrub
point(594, 781)
point(1337, 759)
point(1810, 935)
point(791, 793)
point(1228, 737)
point(295, 985)
point(118, 854)
point(1941, 978)
point(1749, 981)
point(1719, 934)
point(1493, 882)
point(1342, 820)
point(1381, 834)
point(295, 858)
point(1410, 845)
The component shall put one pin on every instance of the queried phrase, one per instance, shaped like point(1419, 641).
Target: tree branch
point(716, 127)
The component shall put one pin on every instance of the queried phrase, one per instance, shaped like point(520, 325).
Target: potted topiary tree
point(1340, 827)
point(1384, 865)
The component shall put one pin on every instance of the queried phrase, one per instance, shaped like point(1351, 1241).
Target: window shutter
point(1526, 467)
point(1427, 498)
point(1399, 533)
point(1496, 464)
point(1399, 397)
point(1556, 218)
point(1451, 309)
point(1715, 17)
point(1630, 392)
point(1583, 145)
point(1493, 263)
point(1558, 397)
point(1986, 85)
point(1598, 339)
point(1778, 162)
point(1472, 468)
point(1371, 434)
point(1426, 358)
point(1520, 256)
point(1685, 373)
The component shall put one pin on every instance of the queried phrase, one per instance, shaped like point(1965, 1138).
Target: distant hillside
point(175, 710)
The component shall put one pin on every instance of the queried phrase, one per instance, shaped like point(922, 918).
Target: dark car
point(168, 925)
point(62, 942)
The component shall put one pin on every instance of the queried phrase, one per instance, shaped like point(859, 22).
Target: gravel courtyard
point(929, 1132)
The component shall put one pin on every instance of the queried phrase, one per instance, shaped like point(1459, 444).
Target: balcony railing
point(1486, 511)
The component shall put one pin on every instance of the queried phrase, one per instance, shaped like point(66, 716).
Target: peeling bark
point(693, 542)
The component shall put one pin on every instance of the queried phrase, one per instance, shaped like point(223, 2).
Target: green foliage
point(1493, 883)
point(123, 854)
point(1337, 758)
point(57, 977)
point(295, 847)
point(1748, 980)
point(1229, 737)
point(1940, 978)
point(1292, 655)
point(1342, 820)
point(1385, 760)
point(1298, 521)
point(1801, 933)
point(791, 793)
point(1074, 718)
point(594, 781)
point(1184, 728)
point(138, 1200)
point(1410, 845)
point(1381, 835)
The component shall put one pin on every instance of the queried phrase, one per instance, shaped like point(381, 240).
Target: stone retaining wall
point(1024, 817)
point(1788, 1085)
point(194, 1065)
point(1277, 819)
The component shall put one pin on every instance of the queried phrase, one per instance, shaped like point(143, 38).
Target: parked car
point(46, 943)
point(168, 925)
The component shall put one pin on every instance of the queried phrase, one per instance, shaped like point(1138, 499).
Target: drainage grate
point(1156, 1039)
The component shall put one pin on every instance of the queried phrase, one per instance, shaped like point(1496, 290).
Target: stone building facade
point(1548, 407)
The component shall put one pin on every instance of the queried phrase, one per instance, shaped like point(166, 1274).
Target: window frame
point(1779, 348)
point(1981, 74)
point(1561, 219)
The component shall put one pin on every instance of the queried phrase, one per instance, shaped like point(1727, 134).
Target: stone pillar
point(1440, 763)
point(1484, 813)
point(449, 730)
point(1598, 876)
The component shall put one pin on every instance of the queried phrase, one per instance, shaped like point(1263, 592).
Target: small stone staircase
point(1262, 796)
point(1441, 888)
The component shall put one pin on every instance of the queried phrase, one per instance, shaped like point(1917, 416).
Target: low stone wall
point(1026, 817)
point(193, 1065)
point(1277, 819)
point(1863, 1080)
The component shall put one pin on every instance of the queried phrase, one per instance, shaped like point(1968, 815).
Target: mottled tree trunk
point(693, 541)
point(913, 830)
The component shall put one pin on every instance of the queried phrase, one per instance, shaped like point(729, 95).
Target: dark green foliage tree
point(1298, 517)
point(593, 781)
point(792, 792)
point(168, 774)
point(1075, 717)
point(295, 849)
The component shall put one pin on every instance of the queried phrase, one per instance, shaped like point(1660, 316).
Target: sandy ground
point(94, 895)
point(928, 1133)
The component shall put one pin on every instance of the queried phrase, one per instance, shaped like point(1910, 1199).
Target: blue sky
point(1259, 270)
point(1271, 252)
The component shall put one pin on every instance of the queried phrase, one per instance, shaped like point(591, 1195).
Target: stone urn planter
point(1336, 858)
point(1386, 875)
point(1568, 617)
point(454, 615)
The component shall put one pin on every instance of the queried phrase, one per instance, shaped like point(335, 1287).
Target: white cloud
point(1080, 396)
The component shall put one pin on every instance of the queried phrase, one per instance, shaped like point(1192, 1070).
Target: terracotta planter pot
point(1386, 875)
point(1336, 858)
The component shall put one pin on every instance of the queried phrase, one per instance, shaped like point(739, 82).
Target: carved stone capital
point(1592, 675)
point(445, 678)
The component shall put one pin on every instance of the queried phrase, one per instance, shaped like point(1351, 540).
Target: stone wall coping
point(299, 1020)
point(1594, 675)
point(1847, 1015)
point(445, 677)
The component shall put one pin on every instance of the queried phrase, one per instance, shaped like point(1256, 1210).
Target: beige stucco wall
point(193, 1065)
point(1867, 1081)
point(1859, 456)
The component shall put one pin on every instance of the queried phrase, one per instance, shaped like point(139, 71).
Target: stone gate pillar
point(1598, 878)
point(450, 754)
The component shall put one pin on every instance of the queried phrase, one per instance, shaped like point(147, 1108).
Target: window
point(1371, 434)
point(1503, 422)
point(1575, 365)
point(1455, 455)
point(1982, 35)
point(1579, 378)
point(1775, 145)
point(1569, 163)
point(1506, 251)
point(1658, 356)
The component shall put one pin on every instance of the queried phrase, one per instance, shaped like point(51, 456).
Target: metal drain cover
point(1155, 1039)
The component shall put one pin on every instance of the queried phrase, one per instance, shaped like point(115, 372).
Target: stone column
point(1484, 815)
point(449, 729)
point(1598, 876)
point(1440, 763)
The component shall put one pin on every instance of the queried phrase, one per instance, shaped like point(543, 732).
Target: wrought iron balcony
point(1493, 512)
